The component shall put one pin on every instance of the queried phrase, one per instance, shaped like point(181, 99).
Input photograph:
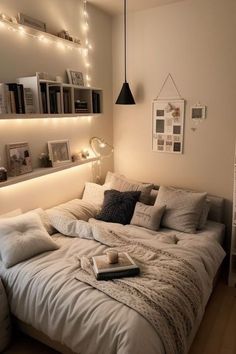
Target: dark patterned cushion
point(118, 206)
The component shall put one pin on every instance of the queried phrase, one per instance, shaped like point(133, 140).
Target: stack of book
point(125, 267)
point(14, 98)
point(96, 102)
point(55, 100)
point(81, 106)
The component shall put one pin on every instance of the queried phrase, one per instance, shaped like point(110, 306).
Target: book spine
point(12, 102)
point(21, 97)
point(29, 101)
point(119, 274)
point(13, 87)
point(58, 96)
point(3, 99)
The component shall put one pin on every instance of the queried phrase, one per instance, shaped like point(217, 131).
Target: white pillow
point(70, 227)
point(75, 209)
point(44, 218)
point(94, 193)
point(23, 237)
point(147, 216)
point(10, 214)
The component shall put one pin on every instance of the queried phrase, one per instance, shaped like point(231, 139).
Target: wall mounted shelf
point(38, 172)
point(42, 116)
point(42, 36)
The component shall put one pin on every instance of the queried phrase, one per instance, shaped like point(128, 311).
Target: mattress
point(44, 293)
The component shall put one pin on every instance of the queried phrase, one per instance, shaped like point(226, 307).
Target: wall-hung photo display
point(168, 125)
point(198, 112)
point(19, 159)
point(59, 152)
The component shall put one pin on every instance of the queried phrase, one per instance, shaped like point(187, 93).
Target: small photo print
point(168, 143)
point(177, 138)
point(161, 142)
point(169, 122)
point(160, 136)
point(168, 148)
point(176, 129)
point(169, 137)
point(160, 112)
point(160, 147)
point(197, 113)
point(177, 147)
point(160, 126)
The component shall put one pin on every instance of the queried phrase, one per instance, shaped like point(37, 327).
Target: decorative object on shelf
point(59, 152)
point(46, 76)
point(168, 121)
point(125, 96)
point(31, 22)
point(75, 77)
point(100, 147)
point(19, 159)
point(45, 160)
point(65, 35)
point(3, 174)
point(198, 114)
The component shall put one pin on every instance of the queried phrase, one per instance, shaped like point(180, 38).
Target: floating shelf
point(42, 36)
point(41, 116)
point(38, 172)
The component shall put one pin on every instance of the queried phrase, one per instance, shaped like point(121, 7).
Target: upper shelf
point(42, 36)
point(46, 115)
point(38, 172)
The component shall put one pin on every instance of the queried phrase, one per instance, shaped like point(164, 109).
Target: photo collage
point(168, 125)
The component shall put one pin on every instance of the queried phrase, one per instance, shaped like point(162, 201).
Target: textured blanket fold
point(168, 292)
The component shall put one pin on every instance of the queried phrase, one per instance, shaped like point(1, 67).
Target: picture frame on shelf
point(59, 152)
point(75, 77)
point(19, 158)
point(26, 20)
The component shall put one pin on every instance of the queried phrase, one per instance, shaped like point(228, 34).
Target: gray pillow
point(183, 208)
point(122, 184)
point(147, 216)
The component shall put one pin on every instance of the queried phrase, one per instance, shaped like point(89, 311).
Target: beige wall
point(194, 40)
point(23, 56)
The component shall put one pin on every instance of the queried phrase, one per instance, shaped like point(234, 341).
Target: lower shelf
point(38, 172)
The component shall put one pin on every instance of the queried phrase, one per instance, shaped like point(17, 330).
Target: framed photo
point(75, 77)
point(59, 152)
point(198, 112)
point(168, 125)
point(31, 22)
point(19, 159)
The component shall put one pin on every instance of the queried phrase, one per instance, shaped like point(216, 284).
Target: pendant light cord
point(125, 36)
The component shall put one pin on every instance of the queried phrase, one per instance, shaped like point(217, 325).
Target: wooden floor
point(217, 333)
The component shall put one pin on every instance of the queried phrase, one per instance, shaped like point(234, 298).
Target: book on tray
point(125, 267)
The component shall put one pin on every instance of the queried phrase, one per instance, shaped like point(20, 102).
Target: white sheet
point(43, 292)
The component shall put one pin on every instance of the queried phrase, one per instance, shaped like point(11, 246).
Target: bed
point(55, 298)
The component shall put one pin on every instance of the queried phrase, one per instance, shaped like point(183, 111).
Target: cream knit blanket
point(167, 293)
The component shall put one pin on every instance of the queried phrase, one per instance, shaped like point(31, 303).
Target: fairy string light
point(87, 43)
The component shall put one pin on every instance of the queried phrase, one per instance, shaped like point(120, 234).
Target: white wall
point(194, 41)
point(22, 56)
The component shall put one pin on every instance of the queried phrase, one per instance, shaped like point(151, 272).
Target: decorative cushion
point(183, 208)
point(147, 216)
point(10, 214)
point(23, 237)
point(5, 324)
point(118, 207)
point(94, 193)
point(76, 209)
point(44, 219)
point(70, 227)
point(122, 184)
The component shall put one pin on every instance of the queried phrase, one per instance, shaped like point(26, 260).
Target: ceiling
point(115, 7)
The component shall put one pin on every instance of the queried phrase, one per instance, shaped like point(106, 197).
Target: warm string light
point(88, 46)
point(46, 38)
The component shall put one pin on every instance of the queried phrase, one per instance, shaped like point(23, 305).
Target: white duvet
point(44, 293)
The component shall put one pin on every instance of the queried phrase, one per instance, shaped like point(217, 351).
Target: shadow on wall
point(139, 93)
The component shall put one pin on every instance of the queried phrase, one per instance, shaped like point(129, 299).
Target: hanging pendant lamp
point(125, 96)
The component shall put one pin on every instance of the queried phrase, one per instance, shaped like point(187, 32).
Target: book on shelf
point(66, 102)
point(4, 98)
point(125, 267)
point(43, 92)
point(16, 98)
point(29, 101)
point(96, 102)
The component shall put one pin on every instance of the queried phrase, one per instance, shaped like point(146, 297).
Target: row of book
point(15, 98)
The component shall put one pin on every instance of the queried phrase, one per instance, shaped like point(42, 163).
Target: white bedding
point(44, 293)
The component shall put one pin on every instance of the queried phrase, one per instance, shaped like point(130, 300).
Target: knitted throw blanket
point(167, 293)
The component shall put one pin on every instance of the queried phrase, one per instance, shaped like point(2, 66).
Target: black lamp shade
point(125, 96)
